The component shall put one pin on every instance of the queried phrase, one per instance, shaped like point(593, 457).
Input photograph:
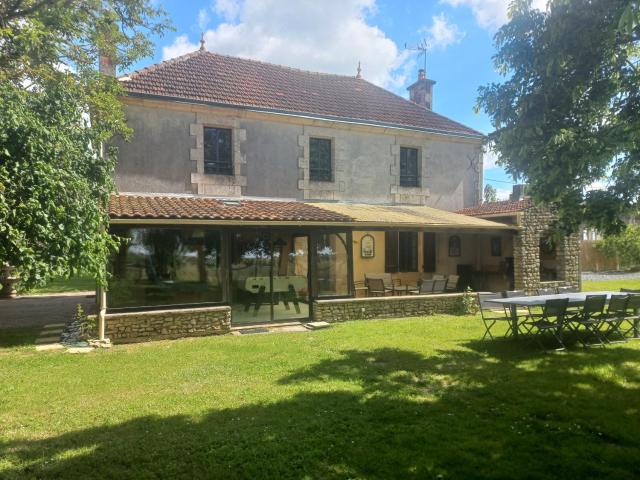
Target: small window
point(401, 252)
point(320, 163)
point(217, 151)
point(455, 246)
point(409, 170)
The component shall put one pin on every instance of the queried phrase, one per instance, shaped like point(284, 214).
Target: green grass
point(613, 285)
point(64, 285)
point(412, 398)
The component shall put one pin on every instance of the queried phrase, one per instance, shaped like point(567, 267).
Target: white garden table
point(575, 299)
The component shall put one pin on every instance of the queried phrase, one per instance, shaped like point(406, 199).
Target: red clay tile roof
point(212, 78)
point(194, 208)
point(497, 208)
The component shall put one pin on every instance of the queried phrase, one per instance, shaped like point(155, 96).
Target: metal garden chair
point(452, 283)
point(552, 319)
point(377, 288)
point(439, 285)
point(615, 317)
point(632, 316)
point(492, 313)
point(591, 317)
point(426, 287)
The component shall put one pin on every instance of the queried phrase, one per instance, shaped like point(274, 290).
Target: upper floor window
point(218, 158)
point(409, 170)
point(320, 162)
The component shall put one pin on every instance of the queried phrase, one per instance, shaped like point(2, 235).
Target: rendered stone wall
point(165, 324)
point(386, 307)
point(535, 223)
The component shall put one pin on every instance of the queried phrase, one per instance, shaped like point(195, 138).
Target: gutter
point(290, 223)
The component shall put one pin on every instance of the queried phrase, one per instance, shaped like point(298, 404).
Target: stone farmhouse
point(255, 193)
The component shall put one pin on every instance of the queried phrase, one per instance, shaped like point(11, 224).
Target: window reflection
point(165, 266)
point(332, 264)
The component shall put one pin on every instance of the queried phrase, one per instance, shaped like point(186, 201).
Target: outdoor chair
point(591, 317)
point(438, 276)
point(377, 288)
point(492, 313)
point(360, 286)
point(632, 316)
point(615, 317)
point(426, 287)
point(439, 286)
point(547, 291)
point(552, 319)
point(452, 283)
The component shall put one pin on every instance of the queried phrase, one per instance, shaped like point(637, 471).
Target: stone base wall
point(166, 324)
point(386, 307)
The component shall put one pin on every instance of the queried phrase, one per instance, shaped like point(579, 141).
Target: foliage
point(490, 193)
point(56, 113)
point(568, 113)
point(381, 399)
point(625, 246)
point(468, 302)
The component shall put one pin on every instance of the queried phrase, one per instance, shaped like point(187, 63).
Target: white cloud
point(442, 33)
point(489, 159)
point(503, 193)
point(491, 14)
point(227, 9)
point(308, 35)
point(203, 18)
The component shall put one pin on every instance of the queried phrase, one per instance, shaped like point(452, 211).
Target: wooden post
point(102, 306)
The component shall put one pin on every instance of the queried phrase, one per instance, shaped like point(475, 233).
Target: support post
point(102, 310)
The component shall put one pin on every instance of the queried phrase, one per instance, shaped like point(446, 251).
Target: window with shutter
point(391, 252)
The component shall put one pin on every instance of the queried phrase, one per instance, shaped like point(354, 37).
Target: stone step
point(49, 347)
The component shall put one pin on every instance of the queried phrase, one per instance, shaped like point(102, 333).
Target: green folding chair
point(551, 320)
point(492, 313)
point(614, 317)
point(590, 317)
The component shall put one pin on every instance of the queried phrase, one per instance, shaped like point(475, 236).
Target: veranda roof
point(193, 209)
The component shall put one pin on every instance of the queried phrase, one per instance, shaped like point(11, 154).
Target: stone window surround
point(409, 195)
point(319, 190)
point(224, 185)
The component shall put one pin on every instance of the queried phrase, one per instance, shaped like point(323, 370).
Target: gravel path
point(601, 276)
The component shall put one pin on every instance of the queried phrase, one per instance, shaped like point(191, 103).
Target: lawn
point(65, 285)
point(410, 398)
point(612, 285)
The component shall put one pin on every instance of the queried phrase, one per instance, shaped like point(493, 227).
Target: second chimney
point(421, 92)
point(106, 65)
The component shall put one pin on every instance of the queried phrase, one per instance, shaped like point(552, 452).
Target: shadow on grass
point(18, 337)
point(480, 412)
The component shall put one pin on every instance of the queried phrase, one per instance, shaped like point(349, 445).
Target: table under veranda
point(576, 299)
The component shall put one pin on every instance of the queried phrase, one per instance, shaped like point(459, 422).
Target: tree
point(490, 193)
point(568, 113)
point(625, 246)
point(56, 113)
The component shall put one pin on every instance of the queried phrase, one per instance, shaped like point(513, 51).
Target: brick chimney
point(421, 92)
point(106, 65)
point(518, 192)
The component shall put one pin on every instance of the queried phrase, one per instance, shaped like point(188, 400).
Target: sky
point(334, 35)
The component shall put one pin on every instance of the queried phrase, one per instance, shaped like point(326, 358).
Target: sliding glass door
point(269, 276)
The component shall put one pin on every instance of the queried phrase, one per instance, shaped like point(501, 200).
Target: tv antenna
point(422, 47)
